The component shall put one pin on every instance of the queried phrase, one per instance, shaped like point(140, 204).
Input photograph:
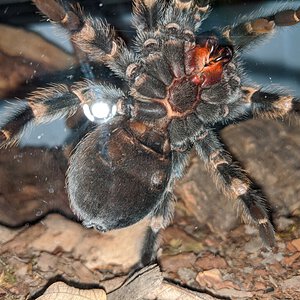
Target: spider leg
point(235, 184)
point(163, 213)
point(155, 20)
point(94, 37)
point(91, 36)
point(52, 103)
point(159, 220)
point(149, 248)
point(42, 106)
point(147, 14)
point(199, 8)
point(146, 17)
point(243, 34)
point(183, 18)
point(270, 104)
point(59, 12)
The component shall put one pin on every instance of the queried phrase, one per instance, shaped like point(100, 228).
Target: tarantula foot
point(266, 232)
point(260, 216)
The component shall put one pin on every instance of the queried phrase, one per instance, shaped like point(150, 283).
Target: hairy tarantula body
point(180, 84)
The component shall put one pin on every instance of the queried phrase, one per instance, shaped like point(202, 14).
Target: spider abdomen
point(102, 168)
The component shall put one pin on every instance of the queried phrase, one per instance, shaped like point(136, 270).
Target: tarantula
point(180, 84)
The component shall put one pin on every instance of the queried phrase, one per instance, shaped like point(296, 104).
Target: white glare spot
point(87, 112)
point(100, 110)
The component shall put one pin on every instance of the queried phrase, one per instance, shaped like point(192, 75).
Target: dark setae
point(181, 84)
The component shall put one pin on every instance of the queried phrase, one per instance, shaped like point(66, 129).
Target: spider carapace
point(181, 83)
point(178, 81)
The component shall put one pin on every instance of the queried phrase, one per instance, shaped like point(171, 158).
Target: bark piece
point(290, 259)
point(172, 263)
point(169, 291)
point(25, 55)
point(7, 234)
point(32, 184)
point(17, 42)
point(139, 285)
point(60, 235)
point(179, 241)
point(148, 284)
point(61, 291)
point(209, 278)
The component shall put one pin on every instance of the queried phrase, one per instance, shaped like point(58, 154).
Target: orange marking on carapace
point(204, 67)
point(208, 63)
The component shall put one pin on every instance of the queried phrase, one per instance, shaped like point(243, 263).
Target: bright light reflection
point(87, 112)
point(100, 110)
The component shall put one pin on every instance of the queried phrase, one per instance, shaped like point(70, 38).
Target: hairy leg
point(156, 20)
point(52, 103)
point(270, 104)
point(197, 9)
point(91, 36)
point(160, 219)
point(235, 184)
point(245, 33)
point(162, 215)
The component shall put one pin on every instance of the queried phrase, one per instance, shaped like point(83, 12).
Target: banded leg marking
point(235, 185)
point(244, 33)
point(270, 105)
point(92, 36)
point(200, 8)
point(56, 102)
point(147, 14)
point(43, 106)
